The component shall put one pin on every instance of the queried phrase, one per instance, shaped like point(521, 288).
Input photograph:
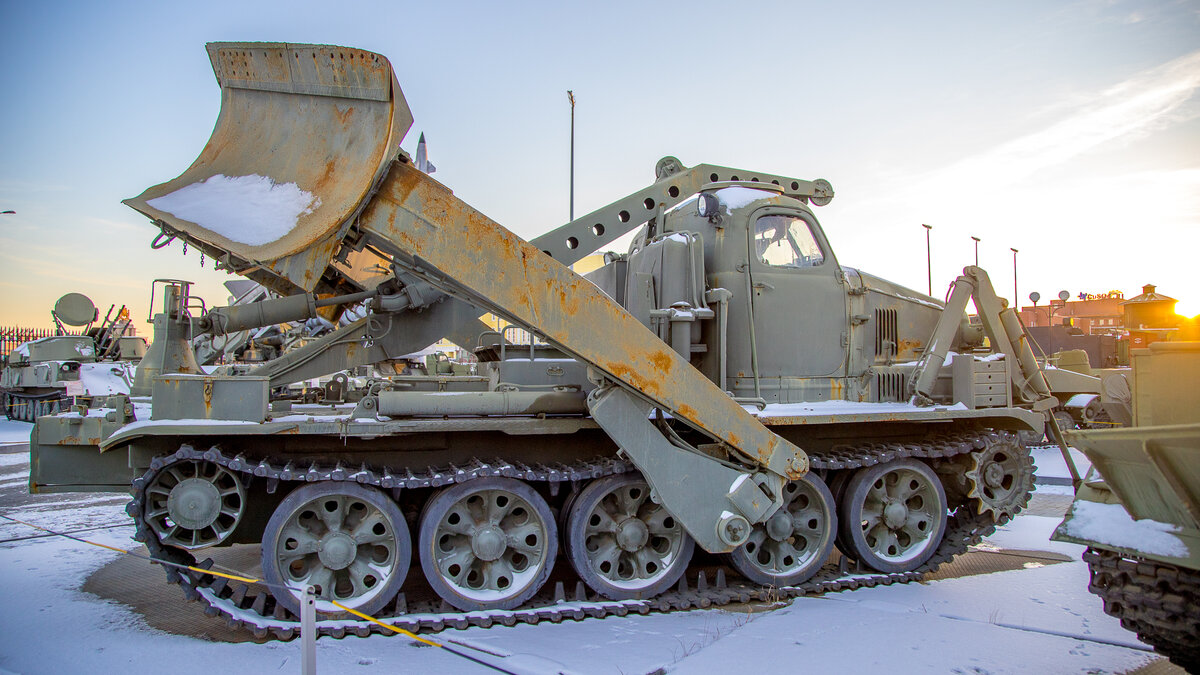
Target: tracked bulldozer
point(726, 384)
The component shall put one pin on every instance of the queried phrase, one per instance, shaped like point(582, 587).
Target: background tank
point(40, 376)
point(1138, 511)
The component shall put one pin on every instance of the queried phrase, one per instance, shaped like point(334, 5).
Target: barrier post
point(308, 632)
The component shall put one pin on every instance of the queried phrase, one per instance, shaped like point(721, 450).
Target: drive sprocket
point(1000, 477)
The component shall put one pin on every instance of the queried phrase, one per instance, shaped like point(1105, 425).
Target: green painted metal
point(731, 295)
point(1154, 474)
point(1152, 469)
point(1164, 383)
point(715, 503)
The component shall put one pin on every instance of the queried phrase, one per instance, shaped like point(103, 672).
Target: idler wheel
point(622, 544)
point(795, 542)
point(349, 541)
point(194, 503)
point(488, 543)
point(893, 515)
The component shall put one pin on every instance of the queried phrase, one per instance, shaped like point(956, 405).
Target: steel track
point(254, 609)
point(1159, 602)
point(28, 407)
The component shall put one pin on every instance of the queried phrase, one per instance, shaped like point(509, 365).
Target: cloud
point(1143, 103)
point(23, 187)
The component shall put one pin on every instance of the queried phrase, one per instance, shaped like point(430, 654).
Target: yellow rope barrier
point(387, 626)
point(252, 580)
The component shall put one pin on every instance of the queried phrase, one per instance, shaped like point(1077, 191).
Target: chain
point(256, 610)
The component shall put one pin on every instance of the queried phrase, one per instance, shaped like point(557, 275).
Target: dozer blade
point(304, 134)
point(1153, 474)
point(1154, 471)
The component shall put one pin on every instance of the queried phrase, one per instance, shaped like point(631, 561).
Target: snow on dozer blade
point(1154, 474)
point(304, 134)
point(297, 189)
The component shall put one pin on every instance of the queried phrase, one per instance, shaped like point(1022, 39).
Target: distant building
point(1091, 314)
point(1150, 317)
point(1106, 324)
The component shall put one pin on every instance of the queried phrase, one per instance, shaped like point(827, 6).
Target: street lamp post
point(928, 259)
point(976, 250)
point(1016, 298)
point(571, 98)
point(1063, 296)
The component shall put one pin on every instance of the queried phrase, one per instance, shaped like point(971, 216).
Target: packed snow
point(736, 197)
point(1052, 467)
point(103, 379)
point(1040, 619)
point(251, 210)
point(843, 408)
point(13, 432)
point(1110, 524)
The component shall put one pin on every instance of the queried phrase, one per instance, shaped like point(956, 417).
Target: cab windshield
point(786, 241)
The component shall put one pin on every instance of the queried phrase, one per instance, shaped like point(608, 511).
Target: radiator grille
point(890, 387)
point(886, 333)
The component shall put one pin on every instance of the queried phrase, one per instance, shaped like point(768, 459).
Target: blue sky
point(1068, 130)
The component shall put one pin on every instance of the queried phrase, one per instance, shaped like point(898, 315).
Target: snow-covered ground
point(14, 432)
point(1040, 619)
point(1052, 469)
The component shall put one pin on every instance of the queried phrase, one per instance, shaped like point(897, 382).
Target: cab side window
point(786, 241)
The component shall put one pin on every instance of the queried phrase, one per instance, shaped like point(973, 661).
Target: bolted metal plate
point(197, 397)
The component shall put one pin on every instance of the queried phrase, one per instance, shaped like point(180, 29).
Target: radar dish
point(75, 309)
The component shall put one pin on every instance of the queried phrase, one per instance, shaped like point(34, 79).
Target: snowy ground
point(1040, 619)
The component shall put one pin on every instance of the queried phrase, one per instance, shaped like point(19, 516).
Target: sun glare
point(1188, 308)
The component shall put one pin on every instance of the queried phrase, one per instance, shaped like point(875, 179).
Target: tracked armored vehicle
point(726, 385)
point(1138, 511)
point(42, 376)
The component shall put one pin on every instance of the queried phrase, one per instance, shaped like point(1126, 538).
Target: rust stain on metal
point(326, 176)
point(662, 361)
point(909, 346)
point(626, 374)
point(344, 116)
point(688, 411)
point(403, 183)
point(569, 302)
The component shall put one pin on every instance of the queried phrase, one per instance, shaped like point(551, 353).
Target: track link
point(254, 609)
point(1159, 602)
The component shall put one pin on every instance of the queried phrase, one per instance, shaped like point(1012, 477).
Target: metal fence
point(12, 336)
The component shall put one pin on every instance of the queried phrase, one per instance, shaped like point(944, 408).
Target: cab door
point(799, 307)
